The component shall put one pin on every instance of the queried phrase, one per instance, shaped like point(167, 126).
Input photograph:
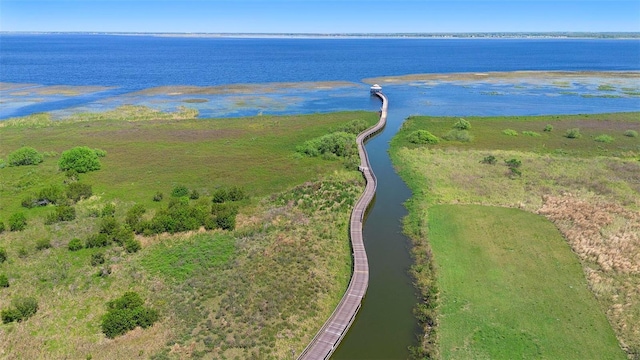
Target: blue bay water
point(385, 326)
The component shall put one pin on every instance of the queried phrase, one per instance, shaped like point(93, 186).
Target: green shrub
point(224, 216)
point(97, 259)
point(422, 137)
point(604, 138)
point(97, 240)
point(125, 313)
point(3, 255)
point(22, 308)
point(462, 124)
point(109, 226)
point(158, 196)
point(75, 244)
point(52, 194)
point(573, 133)
point(132, 245)
point(109, 210)
point(458, 135)
point(2, 228)
point(490, 159)
point(42, 244)
point(531, 133)
point(134, 214)
point(340, 144)
point(353, 127)
point(24, 156)
point(194, 195)
point(179, 191)
point(631, 133)
point(548, 128)
point(17, 222)
point(510, 132)
point(78, 191)
point(4, 281)
point(233, 193)
point(513, 163)
point(62, 213)
point(177, 217)
point(81, 159)
point(100, 152)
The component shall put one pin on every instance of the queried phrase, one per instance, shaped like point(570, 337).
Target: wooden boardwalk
point(335, 328)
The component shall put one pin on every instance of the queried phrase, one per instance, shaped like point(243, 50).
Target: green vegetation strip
point(511, 287)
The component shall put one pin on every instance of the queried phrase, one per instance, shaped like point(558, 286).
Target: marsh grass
point(588, 189)
point(286, 265)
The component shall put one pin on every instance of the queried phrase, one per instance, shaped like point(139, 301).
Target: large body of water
point(385, 326)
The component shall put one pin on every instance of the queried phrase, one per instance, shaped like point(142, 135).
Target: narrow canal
point(385, 327)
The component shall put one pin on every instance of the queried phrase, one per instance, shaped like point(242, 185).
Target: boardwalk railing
point(335, 328)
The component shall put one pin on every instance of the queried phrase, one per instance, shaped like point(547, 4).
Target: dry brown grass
point(606, 237)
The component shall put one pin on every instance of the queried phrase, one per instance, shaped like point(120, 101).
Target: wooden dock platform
point(335, 328)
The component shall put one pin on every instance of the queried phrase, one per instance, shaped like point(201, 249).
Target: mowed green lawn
point(510, 288)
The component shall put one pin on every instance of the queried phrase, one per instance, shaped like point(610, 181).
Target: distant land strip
point(435, 35)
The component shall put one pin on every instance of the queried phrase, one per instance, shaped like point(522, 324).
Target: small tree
point(548, 128)
point(81, 159)
point(77, 191)
point(24, 156)
point(490, 160)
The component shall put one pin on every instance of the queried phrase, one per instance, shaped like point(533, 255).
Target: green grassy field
point(588, 189)
point(260, 291)
point(511, 287)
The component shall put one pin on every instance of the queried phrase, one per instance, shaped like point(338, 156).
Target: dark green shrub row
point(57, 195)
point(353, 127)
point(22, 308)
point(177, 217)
point(111, 231)
point(24, 156)
point(125, 313)
point(3, 255)
point(340, 144)
point(232, 193)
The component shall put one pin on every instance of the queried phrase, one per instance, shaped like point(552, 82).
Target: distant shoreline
point(480, 35)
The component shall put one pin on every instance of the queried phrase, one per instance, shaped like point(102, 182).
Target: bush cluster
point(111, 231)
point(514, 166)
point(78, 191)
point(2, 228)
point(22, 308)
point(24, 156)
point(422, 137)
point(125, 313)
point(52, 194)
point(490, 160)
point(62, 213)
point(353, 127)
point(80, 159)
point(179, 191)
point(631, 133)
point(3, 255)
point(232, 193)
point(548, 128)
point(531, 133)
point(340, 144)
point(510, 132)
point(158, 196)
point(177, 217)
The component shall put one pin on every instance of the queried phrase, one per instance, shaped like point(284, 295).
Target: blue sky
point(311, 16)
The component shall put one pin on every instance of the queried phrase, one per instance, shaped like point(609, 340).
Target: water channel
point(385, 327)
